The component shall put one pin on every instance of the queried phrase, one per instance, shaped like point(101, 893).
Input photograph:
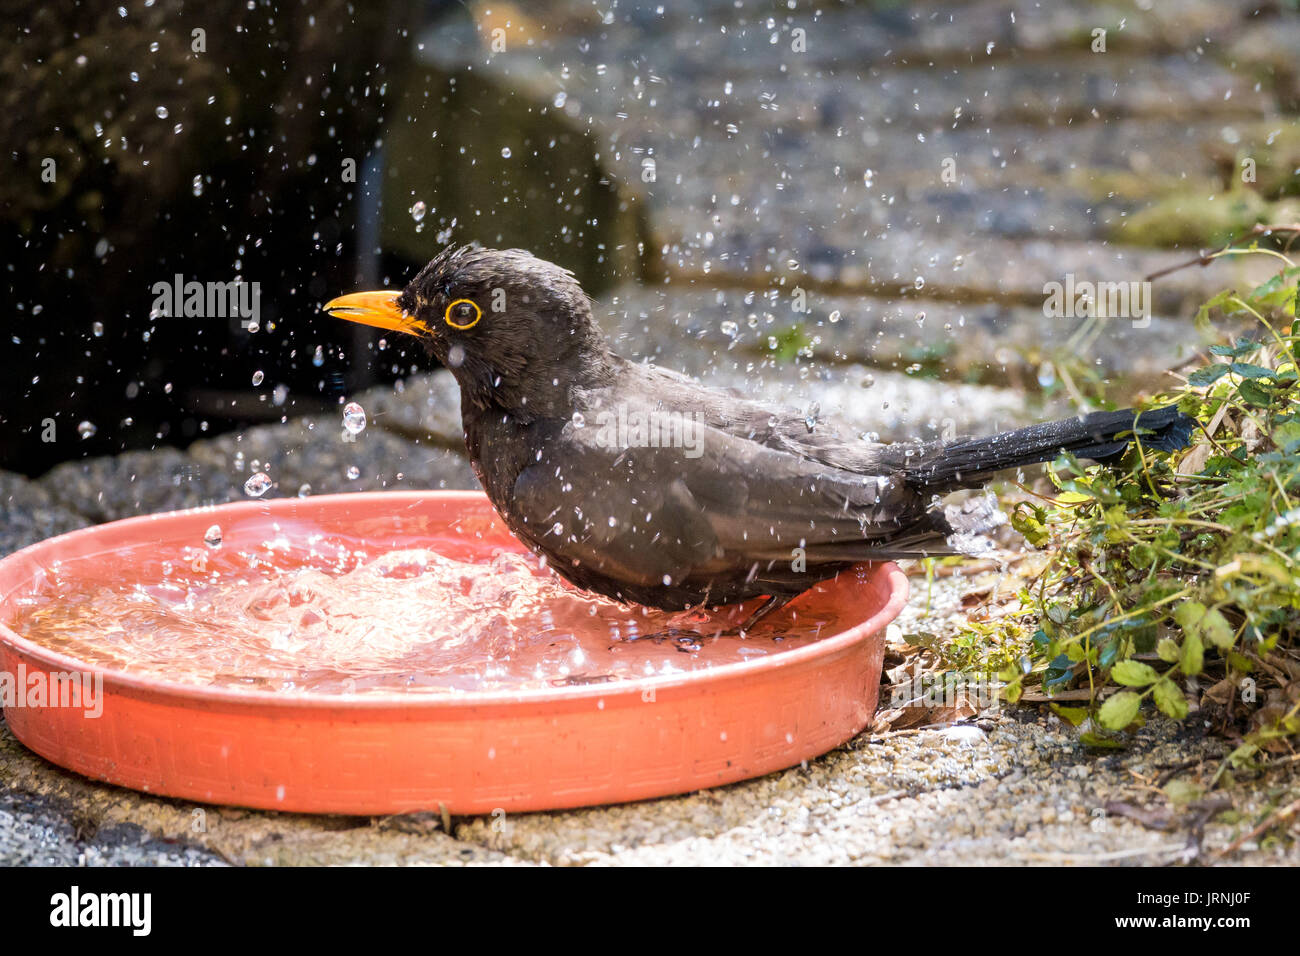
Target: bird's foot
point(774, 603)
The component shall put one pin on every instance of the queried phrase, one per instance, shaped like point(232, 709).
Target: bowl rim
point(895, 581)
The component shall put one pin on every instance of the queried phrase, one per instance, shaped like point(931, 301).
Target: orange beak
point(375, 308)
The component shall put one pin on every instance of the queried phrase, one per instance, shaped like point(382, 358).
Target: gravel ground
point(34, 831)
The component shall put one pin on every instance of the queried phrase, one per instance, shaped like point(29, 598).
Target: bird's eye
point(462, 314)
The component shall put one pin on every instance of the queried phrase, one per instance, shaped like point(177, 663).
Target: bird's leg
point(774, 603)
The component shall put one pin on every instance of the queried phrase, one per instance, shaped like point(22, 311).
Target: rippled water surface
point(302, 610)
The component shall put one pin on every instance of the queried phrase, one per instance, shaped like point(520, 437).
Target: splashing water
point(298, 610)
point(354, 418)
point(257, 485)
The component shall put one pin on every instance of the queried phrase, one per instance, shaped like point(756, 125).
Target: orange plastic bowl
point(469, 753)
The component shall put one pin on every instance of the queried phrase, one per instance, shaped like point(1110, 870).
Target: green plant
point(1172, 573)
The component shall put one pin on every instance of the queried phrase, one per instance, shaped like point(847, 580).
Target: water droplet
point(418, 211)
point(161, 112)
point(353, 473)
point(257, 485)
point(354, 418)
point(920, 282)
point(318, 357)
point(304, 490)
point(730, 328)
point(212, 537)
point(87, 429)
point(579, 420)
point(280, 394)
point(97, 330)
point(257, 377)
point(810, 419)
point(1047, 375)
point(196, 186)
point(834, 316)
point(505, 152)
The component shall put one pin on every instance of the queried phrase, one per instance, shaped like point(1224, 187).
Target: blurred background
point(853, 207)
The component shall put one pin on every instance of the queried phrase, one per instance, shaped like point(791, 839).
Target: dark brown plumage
point(762, 504)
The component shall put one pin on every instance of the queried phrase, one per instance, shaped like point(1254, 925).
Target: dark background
point(243, 177)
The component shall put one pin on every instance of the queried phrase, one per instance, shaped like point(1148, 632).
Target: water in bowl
point(302, 610)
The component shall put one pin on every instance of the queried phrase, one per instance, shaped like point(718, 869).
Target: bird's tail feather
point(1101, 436)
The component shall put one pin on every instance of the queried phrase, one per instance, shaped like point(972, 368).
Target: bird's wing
point(649, 514)
point(823, 438)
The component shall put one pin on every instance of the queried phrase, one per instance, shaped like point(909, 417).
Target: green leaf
point(1119, 710)
point(1222, 300)
point(1141, 556)
point(1074, 716)
point(1217, 630)
point(1207, 375)
point(1091, 739)
point(1242, 755)
point(1134, 674)
point(1193, 656)
point(1168, 650)
point(1188, 615)
point(1252, 393)
point(1259, 564)
point(1073, 497)
point(1182, 791)
point(1287, 437)
point(1246, 370)
point(1242, 347)
point(1170, 699)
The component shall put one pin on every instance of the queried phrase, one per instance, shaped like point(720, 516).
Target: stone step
point(29, 513)
point(937, 32)
point(1076, 160)
point(835, 257)
point(301, 451)
point(994, 343)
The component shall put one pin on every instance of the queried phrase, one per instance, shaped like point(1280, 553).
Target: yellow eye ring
point(478, 314)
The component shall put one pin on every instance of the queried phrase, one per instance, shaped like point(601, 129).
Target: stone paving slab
point(761, 154)
point(691, 326)
point(302, 452)
point(29, 513)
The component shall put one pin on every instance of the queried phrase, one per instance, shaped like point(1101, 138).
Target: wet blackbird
point(643, 485)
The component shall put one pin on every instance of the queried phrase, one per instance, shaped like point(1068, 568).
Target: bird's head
point(516, 331)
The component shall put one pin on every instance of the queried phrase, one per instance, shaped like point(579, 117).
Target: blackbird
point(645, 486)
